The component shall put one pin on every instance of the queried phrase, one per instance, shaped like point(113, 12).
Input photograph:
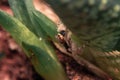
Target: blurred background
point(14, 65)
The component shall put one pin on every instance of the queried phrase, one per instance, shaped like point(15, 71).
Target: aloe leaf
point(41, 55)
point(40, 24)
point(46, 24)
point(46, 66)
point(23, 11)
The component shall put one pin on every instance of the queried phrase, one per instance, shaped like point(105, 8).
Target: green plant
point(95, 26)
point(30, 30)
point(97, 47)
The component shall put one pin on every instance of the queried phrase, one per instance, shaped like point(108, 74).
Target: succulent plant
point(29, 28)
point(95, 27)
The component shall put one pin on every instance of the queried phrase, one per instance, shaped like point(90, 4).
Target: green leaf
point(23, 11)
point(34, 20)
point(41, 54)
point(45, 64)
point(97, 24)
point(46, 24)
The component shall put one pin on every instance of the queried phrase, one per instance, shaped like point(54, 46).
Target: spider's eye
point(63, 32)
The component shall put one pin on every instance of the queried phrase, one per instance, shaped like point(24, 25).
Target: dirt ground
point(14, 65)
